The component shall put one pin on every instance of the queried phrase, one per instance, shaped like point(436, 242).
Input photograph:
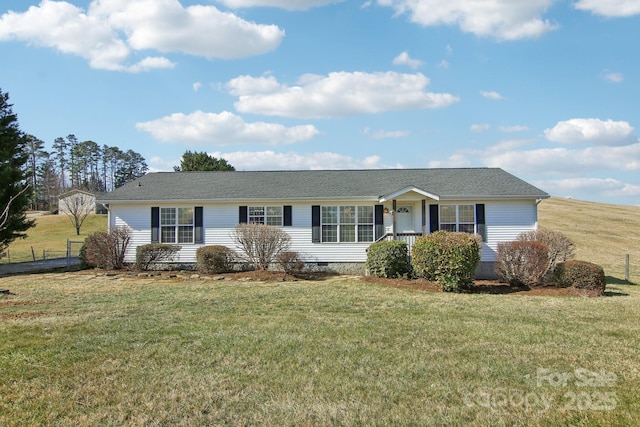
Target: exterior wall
point(505, 220)
point(219, 221)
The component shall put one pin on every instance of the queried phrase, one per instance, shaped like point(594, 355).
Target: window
point(269, 215)
point(460, 218)
point(347, 224)
point(176, 225)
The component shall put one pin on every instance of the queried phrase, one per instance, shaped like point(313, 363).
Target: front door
point(404, 219)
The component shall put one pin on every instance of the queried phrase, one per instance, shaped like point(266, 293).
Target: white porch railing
point(408, 238)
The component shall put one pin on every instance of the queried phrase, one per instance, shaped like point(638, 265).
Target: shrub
point(261, 243)
point(290, 262)
point(449, 258)
point(215, 259)
point(560, 247)
point(388, 259)
point(147, 255)
point(84, 264)
point(106, 249)
point(581, 275)
point(522, 263)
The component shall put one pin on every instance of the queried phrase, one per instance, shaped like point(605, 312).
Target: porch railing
point(408, 238)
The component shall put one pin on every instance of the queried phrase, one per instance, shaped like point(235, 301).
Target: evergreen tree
point(15, 190)
point(201, 161)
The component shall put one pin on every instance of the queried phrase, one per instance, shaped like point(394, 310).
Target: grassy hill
point(603, 233)
point(50, 235)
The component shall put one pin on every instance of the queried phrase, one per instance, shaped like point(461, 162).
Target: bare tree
point(4, 215)
point(78, 208)
point(260, 243)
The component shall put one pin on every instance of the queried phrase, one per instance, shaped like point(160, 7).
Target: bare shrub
point(290, 262)
point(106, 250)
point(560, 247)
point(522, 263)
point(147, 255)
point(260, 243)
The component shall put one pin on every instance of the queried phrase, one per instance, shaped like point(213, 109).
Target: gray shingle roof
point(367, 184)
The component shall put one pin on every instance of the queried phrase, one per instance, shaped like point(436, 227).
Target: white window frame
point(173, 226)
point(456, 224)
point(346, 223)
point(269, 215)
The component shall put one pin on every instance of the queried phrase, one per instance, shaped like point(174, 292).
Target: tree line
point(74, 164)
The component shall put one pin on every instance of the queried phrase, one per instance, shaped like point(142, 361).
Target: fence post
point(626, 268)
point(68, 255)
point(33, 254)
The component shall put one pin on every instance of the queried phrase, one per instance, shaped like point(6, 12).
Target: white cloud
point(404, 59)
point(614, 77)
point(382, 134)
point(200, 128)
point(491, 95)
point(604, 187)
point(479, 127)
point(500, 19)
point(270, 160)
point(338, 94)
point(457, 160)
point(566, 161)
point(595, 131)
point(197, 86)
point(111, 32)
point(515, 128)
point(610, 8)
point(444, 64)
point(282, 4)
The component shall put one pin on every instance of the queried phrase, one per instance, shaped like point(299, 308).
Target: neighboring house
point(79, 201)
point(332, 216)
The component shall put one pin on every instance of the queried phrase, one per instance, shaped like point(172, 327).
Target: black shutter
point(198, 231)
point(315, 223)
point(243, 217)
point(155, 224)
point(378, 219)
point(286, 219)
point(434, 221)
point(481, 224)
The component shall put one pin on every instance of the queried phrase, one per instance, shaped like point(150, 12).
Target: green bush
point(388, 259)
point(84, 263)
point(449, 258)
point(581, 275)
point(215, 259)
point(147, 255)
point(522, 262)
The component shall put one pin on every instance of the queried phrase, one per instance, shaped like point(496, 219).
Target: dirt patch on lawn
point(481, 287)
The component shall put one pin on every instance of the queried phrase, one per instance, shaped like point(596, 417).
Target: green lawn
point(81, 349)
point(50, 236)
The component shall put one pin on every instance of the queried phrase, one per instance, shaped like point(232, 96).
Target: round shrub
point(388, 259)
point(580, 275)
point(449, 258)
point(522, 262)
point(215, 259)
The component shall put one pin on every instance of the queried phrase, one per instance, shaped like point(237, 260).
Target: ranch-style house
point(332, 216)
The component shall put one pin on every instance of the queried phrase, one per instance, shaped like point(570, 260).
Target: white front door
point(404, 219)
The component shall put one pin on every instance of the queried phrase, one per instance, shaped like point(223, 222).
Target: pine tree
point(15, 190)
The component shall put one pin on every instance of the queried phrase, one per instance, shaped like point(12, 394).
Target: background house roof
point(368, 184)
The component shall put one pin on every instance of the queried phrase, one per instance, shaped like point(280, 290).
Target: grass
point(90, 349)
point(95, 350)
point(603, 233)
point(50, 235)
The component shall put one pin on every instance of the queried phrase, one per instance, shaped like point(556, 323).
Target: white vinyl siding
point(504, 221)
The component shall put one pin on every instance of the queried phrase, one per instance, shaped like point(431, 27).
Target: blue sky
point(547, 90)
